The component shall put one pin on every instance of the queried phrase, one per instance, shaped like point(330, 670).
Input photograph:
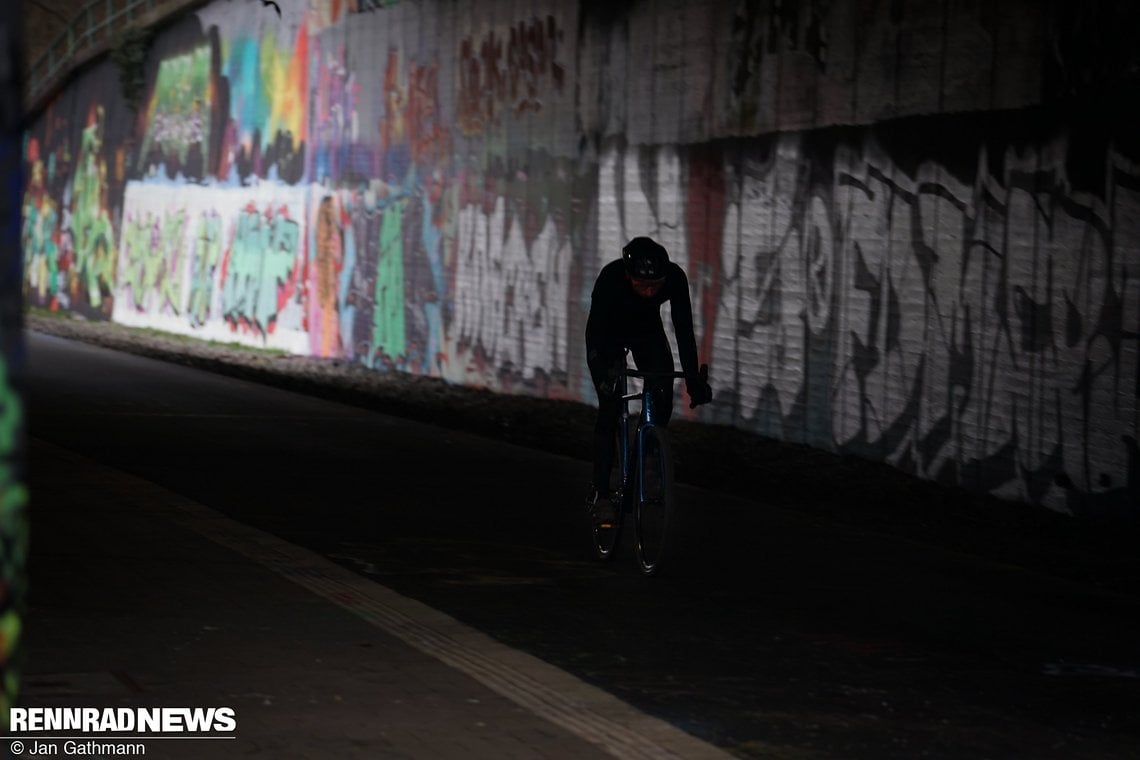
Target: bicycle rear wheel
point(653, 509)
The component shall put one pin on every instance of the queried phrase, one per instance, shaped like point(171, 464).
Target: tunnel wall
point(910, 228)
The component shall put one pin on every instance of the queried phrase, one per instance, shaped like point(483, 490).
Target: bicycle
point(645, 471)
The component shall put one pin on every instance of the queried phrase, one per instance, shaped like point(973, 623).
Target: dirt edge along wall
point(909, 228)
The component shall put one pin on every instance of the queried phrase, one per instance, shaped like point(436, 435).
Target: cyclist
point(625, 313)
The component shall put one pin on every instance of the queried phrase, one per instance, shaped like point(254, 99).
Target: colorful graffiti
point(152, 247)
point(385, 243)
point(259, 82)
point(328, 297)
point(951, 294)
point(13, 535)
point(91, 232)
point(225, 263)
point(45, 268)
point(378, 277)
point(261, 269)
point(337, 146)
point(69, 254)
point(74, 162)
point(179, 116)
point(207, 254)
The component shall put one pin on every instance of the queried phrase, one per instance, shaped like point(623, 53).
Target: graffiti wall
point(220, 263)
point(75, 163)
point(908, 227)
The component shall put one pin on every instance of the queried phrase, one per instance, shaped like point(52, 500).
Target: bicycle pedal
point(605, 520)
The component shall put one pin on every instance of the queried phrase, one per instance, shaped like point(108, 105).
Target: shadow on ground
point(861, 493)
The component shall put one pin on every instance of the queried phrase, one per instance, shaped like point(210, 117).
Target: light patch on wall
point(511, 298)
point(217, 263)
point(976, 334)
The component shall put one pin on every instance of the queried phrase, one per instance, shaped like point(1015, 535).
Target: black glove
point(700, 392)
point(607, 384)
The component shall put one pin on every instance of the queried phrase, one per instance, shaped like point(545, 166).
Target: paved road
point(777, 635)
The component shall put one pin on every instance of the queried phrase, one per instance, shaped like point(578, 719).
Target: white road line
point(561, 698)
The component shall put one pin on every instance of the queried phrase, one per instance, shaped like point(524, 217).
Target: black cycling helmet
point(645, 259)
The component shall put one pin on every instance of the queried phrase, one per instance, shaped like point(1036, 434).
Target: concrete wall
point(910, 227)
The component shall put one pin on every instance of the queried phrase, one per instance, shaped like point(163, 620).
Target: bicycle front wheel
point(654, 510)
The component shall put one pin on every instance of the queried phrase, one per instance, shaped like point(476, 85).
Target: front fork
point(648, 420)
point(623, 437)
point(631, 484)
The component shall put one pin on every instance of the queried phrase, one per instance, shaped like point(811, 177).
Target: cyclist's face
point(646, 288)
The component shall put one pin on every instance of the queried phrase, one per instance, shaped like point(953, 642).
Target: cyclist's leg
point(605, 424)
point(605, 524)
point(652, 353)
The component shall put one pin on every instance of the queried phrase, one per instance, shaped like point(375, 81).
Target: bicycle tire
point(654, 510)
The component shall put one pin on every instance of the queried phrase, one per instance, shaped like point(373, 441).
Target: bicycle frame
point(646, 475)
point(648, 419)
point(623, 434)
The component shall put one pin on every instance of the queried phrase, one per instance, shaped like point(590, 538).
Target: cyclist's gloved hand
point(607, 384)
point(700, 392)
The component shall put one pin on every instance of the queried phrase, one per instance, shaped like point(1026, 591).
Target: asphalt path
point(776, 634)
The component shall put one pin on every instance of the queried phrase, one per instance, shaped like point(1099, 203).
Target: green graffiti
point(153, 250)
point(11, 415)
point(13, 537)
point(207, 256)
point(91, 226)
point(10, 626)
point(178, 114)
point(9, 646)
point(262, 266)
point(388, 334)
point(41, 252)
point(169, 274)
point(136, 241)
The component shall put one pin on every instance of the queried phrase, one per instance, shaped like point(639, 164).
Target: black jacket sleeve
point(682, 309)
point(603, 323)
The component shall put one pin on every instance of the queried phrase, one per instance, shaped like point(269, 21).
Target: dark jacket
point(620, 318)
